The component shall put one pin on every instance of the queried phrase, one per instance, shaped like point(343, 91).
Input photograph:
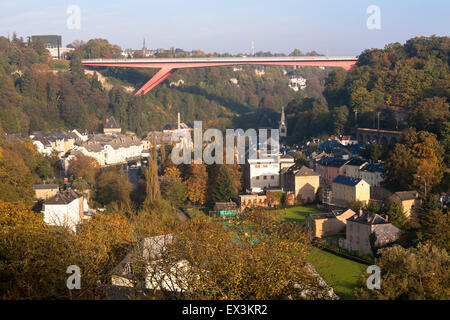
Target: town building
point(409, 200)
point(372, 173)
point(107, 149)
point(263, 173)
point(111, 126)
point(361, 226)
point(149, 252)
point(65, 209)
point(327, 224)
point(252, 200)
point(286, 161)
point(346, 189)
point(45, 191)
point(348, 140)
point(53, 43)
point(169, 135)
point(60, 143)
point(302, 182)
point(329, 168)
point(354, 166)
point(297, 83)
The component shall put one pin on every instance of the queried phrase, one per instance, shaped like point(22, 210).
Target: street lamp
point(425, 183)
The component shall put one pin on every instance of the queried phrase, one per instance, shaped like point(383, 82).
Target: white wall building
point(65, 209)
point(108, 149)
point(298, 83)
point(263, 173)
point(372, 173)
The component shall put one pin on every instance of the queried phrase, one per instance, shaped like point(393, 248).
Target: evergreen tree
point(153, 191)
point(394, 210)
point(224, 189)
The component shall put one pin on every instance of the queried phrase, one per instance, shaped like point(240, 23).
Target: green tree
point(224, 189)
point(174, 191)
point(434, 223)
point(394, 210)
point(340, 119)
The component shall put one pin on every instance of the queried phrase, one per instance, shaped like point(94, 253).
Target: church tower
point(283, 125)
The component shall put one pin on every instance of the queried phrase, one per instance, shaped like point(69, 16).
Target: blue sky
point(327, 26)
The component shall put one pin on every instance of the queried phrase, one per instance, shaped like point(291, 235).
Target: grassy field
point(340, 273)
point(298, 213)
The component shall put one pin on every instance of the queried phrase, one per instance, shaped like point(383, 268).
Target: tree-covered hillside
point(37, 93)
point(408, 85)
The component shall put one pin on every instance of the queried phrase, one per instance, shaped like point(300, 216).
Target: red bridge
point(169, 65)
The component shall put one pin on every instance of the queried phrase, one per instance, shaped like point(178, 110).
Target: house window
point(257, 178)
point(265, 177)
point(272, 177)
point(257, 166)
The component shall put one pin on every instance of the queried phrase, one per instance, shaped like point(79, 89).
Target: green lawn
point(298, 213)
point(339, 273)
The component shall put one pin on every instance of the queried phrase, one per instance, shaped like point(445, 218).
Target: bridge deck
point(170, 65)
point(221, 59)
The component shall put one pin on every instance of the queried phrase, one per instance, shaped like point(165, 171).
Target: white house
point(372, 173)
point(108, 149)
point(65, 209)
point(298, 83)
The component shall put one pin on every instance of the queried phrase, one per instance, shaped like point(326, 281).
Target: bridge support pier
point(159, 77)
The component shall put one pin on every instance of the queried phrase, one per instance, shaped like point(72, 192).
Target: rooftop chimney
point(387, 218)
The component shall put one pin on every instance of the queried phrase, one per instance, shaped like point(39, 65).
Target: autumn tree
point(172, 172)
point(35, 256)
point(410, 274)
point(415, 162)
point(158, 218)
point(85, 167)
point(197, 183)
point(241, 267)
point(101, 243)
point(15, 178)
point(112, 185)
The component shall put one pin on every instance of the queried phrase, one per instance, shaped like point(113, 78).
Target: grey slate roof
point(332, 162)
point(373, 167)
point(368, 218)
point(349, 181)
point(45, 186)
point(357, 162)
point(97, 142)
point(406, 195)
point(64, 197)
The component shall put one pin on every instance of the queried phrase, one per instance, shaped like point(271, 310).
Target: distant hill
point(32, 98)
